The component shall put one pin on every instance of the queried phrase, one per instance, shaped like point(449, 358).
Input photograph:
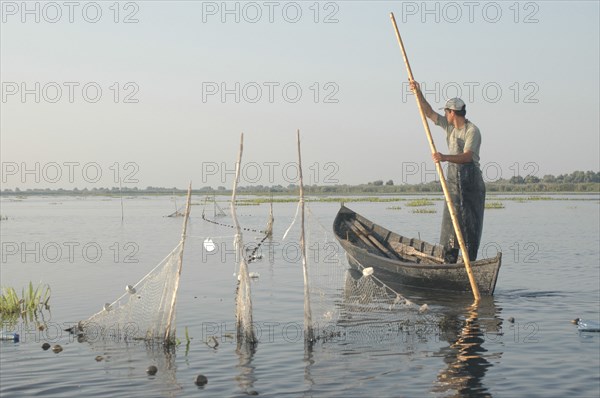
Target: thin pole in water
point(309, 336)
point(188, 208)
point(244, 299)
point(121, 194)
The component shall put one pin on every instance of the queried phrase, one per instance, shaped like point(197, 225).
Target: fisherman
point(465, 183)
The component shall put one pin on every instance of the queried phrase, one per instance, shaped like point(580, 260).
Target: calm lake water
point(81, 249)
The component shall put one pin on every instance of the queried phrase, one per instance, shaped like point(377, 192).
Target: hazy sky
point(160, 91)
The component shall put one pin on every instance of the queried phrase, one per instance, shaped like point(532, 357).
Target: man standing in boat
point(465, 182)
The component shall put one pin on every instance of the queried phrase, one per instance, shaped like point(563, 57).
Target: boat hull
point(398, 269)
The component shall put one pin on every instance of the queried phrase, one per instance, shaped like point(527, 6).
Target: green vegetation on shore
point(576, 182)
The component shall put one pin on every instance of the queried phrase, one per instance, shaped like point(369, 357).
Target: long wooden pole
point(244, 299)
point(308, 327)
point(179, 264)
point(458, 231)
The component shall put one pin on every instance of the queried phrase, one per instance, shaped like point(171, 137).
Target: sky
point(153, 93)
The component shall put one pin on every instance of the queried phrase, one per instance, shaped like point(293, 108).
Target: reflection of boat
point(407, 261)
point(467, 333)
point(466, 358)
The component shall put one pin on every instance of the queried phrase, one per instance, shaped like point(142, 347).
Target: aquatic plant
point(494, 205)
point(424, 211)
point(244, 203)
point(187, 336)
point(528, 198)
point(539, 198)
point(31, 300)
point(260, 200)
point(420, 202)
point(369, 199)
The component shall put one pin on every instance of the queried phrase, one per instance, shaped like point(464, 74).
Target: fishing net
point(243, 313)
point(269, 227)
point(244, 256)
point(352, 302)
point(243, 301)
point(146, 311)
point(217, 211)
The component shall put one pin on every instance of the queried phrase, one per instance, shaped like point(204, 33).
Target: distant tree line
point(577, 181)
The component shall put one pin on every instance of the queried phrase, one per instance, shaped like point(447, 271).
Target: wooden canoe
point(407, 261)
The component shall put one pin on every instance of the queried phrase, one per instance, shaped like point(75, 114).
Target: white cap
point(456, 104)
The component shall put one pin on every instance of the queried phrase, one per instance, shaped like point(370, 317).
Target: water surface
point(81, 249)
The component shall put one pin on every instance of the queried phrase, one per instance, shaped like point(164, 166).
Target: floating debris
point(423, 308)
point(130, 289)
point(587, 326)
point(212, 342)
point(151, 370)
point(75, 328)
point(45, 346)
point(57, 348)
point(251, 275)
point(209, 245)
point(99, 358)
point(254, 275)
point(201, 380)
point(511, 320)
point(10, 337)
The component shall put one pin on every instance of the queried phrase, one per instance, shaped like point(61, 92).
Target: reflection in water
point(164, 357)
point(466, 358)
point(376, 323)
point(308, 363)
point(135, 358)
point(245, 378)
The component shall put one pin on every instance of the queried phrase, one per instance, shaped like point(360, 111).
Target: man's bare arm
point(465, 157)
point(429, 112)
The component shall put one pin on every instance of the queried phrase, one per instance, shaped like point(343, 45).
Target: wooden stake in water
point(121, 194)
point(438, 166)
point(308, 327)
point(168, 336)
point(243, 300)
